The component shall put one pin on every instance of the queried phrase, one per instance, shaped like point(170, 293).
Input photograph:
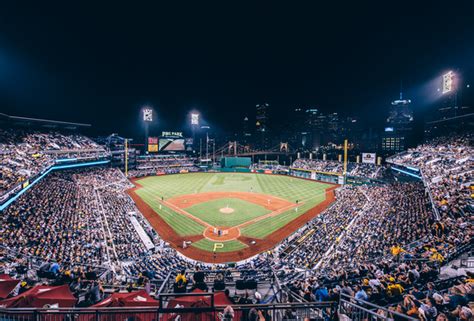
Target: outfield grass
point(229, 246)
point(243, 211)
point(309, 194)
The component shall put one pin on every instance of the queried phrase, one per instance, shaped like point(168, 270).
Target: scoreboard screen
point(172, 144)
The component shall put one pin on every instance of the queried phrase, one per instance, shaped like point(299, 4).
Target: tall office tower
point(298, 129)
point(246, 131)
point(261, 124)
point(398, 130)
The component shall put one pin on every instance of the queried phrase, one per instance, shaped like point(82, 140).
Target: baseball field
point(228, 217)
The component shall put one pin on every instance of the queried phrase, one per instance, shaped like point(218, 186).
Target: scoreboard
point(169, 142)
point(152, 144)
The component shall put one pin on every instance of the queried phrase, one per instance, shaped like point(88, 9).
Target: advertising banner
point(368, 158)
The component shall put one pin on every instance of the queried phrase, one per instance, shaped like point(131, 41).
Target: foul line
point(255, 220)
point(272, 214)
point(180, 210)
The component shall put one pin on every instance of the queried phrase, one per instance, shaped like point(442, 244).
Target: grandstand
point(381, 249)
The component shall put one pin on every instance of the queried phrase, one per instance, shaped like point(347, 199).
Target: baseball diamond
point(228, 217)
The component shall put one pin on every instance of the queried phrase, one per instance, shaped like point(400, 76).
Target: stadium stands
point(447, 165)
point(25, 153)
point(353, 169)
point(163, 164)
point(381, 244)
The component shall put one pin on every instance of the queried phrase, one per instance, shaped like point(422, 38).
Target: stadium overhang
point(42, 123)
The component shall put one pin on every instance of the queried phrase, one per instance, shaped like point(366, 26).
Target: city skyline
point(56, 66)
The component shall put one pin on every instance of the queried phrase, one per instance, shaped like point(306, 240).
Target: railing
point(362, 310)
point(35, 262)
point(293, 311)
point(205, 309)
point(231, 276)
point(427, 187)
point(165, 282)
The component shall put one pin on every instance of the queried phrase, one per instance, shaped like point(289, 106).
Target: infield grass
point(229, 246)
point(243, 211)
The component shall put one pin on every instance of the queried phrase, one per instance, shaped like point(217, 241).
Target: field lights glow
point(448, 82)
point(147, 114)
point(194, 119)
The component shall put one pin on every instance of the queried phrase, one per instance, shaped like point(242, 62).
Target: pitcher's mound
point(226, 210)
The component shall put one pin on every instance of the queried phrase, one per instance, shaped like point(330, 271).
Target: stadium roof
point(38, 122)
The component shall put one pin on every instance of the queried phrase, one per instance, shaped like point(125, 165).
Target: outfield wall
point(236, 162)
point(234, 170)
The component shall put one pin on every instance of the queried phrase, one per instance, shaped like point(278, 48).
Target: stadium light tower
point(206, 128)
point(448, 82)
point(147, 118)
point(450, 86)
point(194, 117)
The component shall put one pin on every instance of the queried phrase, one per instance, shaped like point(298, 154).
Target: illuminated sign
point(194, 119)
point(368, 158)
point(152, 140)
point(448, 82)
point(25, 183)
point(153, 148)
point(172, 134)
point(147, 114)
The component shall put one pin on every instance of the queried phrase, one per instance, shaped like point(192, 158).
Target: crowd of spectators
point(25, 153)
point(308, 245)
point(76, 217)
point(386, 251)
point(163, 171)
point(319, 165)
point(368, 170)
point(82, 218)
point(160, 165)
point(353, 169)
point(398, 214)
point(55, 221)
point(377, 243)
point(269, 166)
point(447, 165)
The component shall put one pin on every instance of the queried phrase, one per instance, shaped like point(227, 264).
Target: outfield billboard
point(368, 158)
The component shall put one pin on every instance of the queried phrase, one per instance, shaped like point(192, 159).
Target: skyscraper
point(398, 130)
point(262, 117)
point(298, 129)
point(314, 128)
point(246, 131)
point(261, 124)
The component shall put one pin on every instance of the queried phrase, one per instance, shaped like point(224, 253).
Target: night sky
point(99, 63)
